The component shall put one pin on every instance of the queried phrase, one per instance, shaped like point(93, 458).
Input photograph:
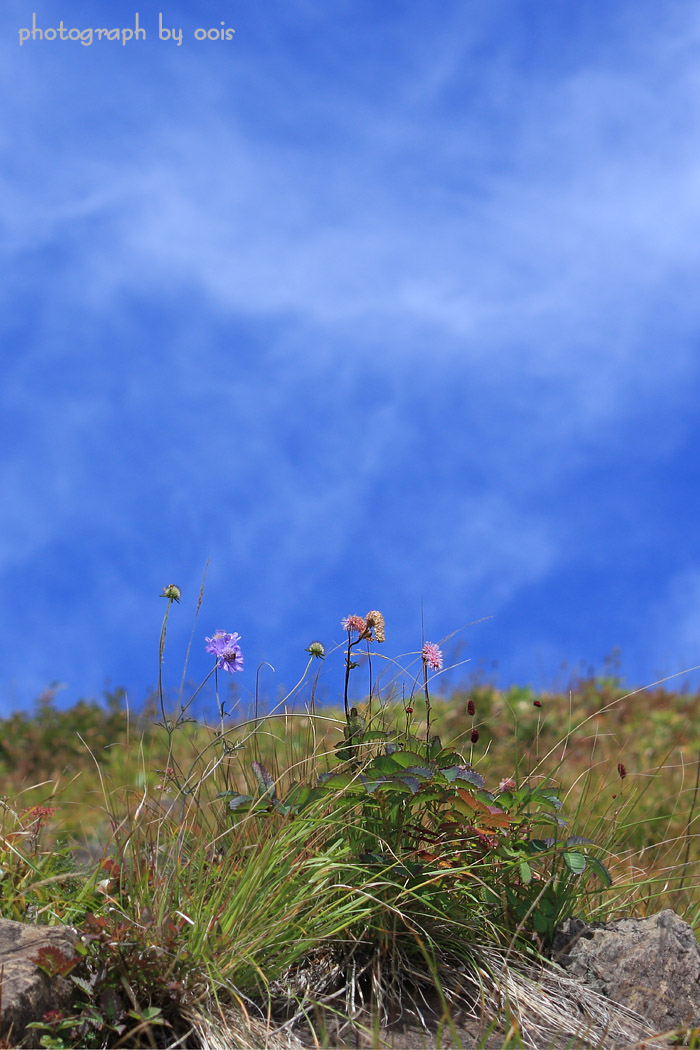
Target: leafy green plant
point(409, 805)
point(300, 862)
point(130, 979)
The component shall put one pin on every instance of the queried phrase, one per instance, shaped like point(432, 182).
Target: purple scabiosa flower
point(355, 623)
point(227, 651)
point(432, 656)
point(507, 784)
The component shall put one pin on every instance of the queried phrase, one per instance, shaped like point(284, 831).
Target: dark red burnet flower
point(621, 770)
point(471, 708)
point(537, 703)
point(474, 736)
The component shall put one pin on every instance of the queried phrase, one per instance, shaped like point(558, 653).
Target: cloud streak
point(357, 346)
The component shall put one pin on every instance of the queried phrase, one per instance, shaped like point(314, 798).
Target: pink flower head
point(227, 651)
point(432, 656)
point(507, 784)
point(354, 623)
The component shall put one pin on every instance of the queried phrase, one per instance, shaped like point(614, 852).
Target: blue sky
point(372, 306)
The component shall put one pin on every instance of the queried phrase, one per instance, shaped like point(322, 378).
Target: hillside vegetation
point(311, 867)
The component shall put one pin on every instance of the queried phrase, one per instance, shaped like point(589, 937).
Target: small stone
point(27, 992)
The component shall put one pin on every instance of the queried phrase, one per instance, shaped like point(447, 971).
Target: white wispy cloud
point(304, 326)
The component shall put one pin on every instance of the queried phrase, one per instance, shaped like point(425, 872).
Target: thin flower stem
point(161, 649)
point(427, 709)
point(369, 668)
point(347, 681)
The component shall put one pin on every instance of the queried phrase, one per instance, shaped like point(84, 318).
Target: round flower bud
point(172, 592)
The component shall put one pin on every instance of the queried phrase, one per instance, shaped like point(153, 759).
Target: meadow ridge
point(323, 873)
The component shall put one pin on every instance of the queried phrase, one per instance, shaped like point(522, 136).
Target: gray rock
point(651, 965)
point(27, 992)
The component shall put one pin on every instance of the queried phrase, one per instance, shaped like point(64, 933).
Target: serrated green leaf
point(339, 782)
point(408, 758)
point(575, 862)
point(240, 800)
point(422, 772)
point(601, 871)
point(470, 776)
point(547, 796)
point(431, 794)
point(84, 985)
point(385, 765)
point(449, 758)
point(151, 1014)
point(394, 786)
point(525, 871)
point(547, 818)
point(538, 845)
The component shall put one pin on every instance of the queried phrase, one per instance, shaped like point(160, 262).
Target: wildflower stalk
point(427, 708)
point(172, 593)
point(349, 664)
point(369, 671)
point(431, 656)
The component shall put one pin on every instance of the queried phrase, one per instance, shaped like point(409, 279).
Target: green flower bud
point(171, 592)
